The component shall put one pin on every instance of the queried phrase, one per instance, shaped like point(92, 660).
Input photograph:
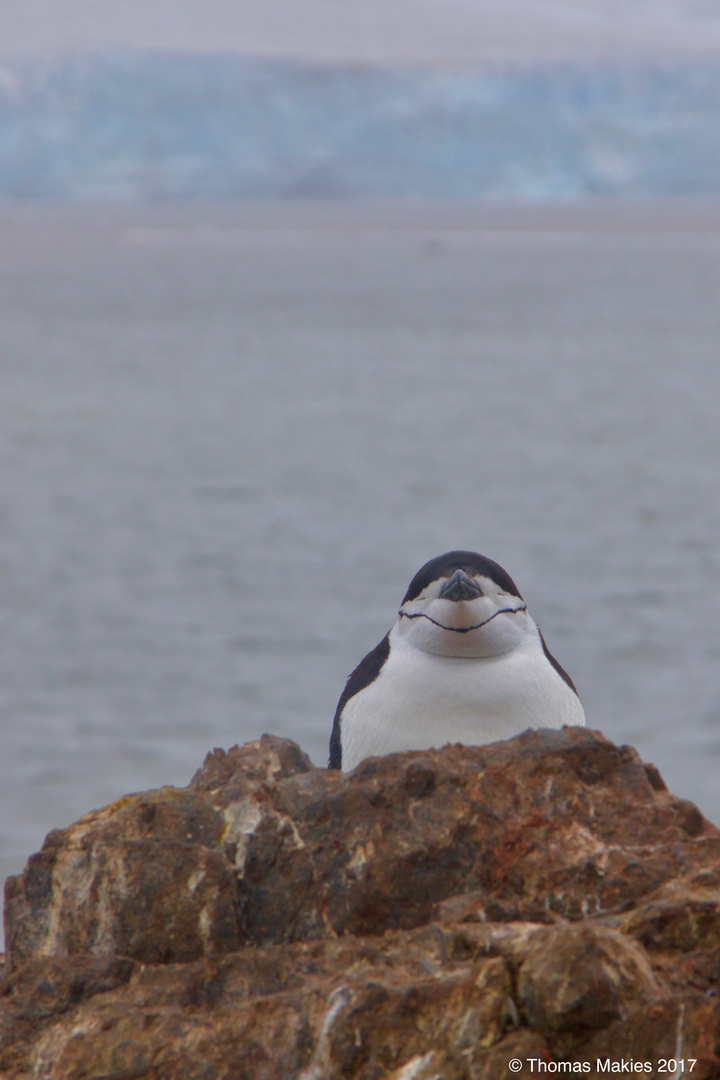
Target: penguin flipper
point(560, 670)
point(365, 673)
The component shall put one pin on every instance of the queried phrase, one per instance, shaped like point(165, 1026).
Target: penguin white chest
point(420, 701)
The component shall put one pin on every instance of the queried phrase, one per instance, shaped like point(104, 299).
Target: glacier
point(141, 126)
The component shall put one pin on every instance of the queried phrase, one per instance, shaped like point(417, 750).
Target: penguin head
point(463, 605)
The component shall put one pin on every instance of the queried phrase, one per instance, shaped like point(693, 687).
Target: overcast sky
point(437, 30)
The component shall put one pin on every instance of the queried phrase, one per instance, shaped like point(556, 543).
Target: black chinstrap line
point(463, 629)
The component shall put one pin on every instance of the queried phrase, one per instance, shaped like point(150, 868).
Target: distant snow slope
point(129, 126)
point(378, 30)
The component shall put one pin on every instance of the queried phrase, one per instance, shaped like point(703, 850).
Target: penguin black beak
point(460, 587)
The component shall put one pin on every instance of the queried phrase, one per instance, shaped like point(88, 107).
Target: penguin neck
point(502, 635)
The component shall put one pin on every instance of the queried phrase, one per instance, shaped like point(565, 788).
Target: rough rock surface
point(431, 915)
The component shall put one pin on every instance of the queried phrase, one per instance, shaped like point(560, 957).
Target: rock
point(582, 977)
point(429, 915)
point(144, 878)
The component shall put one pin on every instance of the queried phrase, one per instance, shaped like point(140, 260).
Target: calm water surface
point(228, 441)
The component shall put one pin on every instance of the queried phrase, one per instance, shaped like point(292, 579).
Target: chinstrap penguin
point(464, 662)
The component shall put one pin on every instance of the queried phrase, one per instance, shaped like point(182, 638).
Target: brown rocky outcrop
point(431, 915)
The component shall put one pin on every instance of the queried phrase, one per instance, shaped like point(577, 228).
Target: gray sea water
point(228, 440)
